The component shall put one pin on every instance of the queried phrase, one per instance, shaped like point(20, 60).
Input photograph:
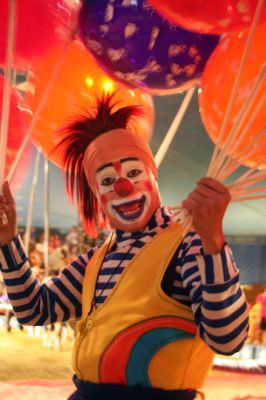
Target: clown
point(153, 304)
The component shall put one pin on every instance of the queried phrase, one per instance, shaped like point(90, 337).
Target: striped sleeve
point(58, 299)
point(211, 284)
point(12, 255)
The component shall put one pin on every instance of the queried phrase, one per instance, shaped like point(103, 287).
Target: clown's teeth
point(133, 208)
point(131, 211)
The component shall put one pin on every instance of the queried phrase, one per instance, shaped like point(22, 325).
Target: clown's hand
point(8, 218)
point(207, 204)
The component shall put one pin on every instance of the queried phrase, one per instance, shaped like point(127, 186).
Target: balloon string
point(248, 181)
point(246, 198)
point(236, 83)
point(241, 191)
point(231, 165)
point(50, 85)
point(7, 90)
point(173, 128)
point(251, 172)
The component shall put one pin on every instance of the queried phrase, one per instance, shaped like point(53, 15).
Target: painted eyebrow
point(104, 166)
point(121, 161)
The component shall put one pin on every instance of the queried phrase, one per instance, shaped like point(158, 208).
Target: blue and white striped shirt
point(207, 283)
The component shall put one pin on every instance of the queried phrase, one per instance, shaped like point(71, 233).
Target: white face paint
point(127, 193)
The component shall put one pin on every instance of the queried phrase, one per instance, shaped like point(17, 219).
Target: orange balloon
point(73, 93)
point(216, 86)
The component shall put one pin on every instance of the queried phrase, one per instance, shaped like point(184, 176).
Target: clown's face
point(127, 193)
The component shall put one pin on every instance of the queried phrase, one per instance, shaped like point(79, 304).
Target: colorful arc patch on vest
point(127, 359)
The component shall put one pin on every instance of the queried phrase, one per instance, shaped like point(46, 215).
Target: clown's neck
point(160, 219)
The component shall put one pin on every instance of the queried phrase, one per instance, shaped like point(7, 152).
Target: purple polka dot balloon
point(134, 44)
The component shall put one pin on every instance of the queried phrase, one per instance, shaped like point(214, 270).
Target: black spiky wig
point(72, 142)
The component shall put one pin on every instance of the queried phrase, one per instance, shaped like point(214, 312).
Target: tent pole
point(31, 201)
point(173, 127)
point(46, 217)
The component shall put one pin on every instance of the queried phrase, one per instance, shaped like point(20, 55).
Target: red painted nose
point(123, 187)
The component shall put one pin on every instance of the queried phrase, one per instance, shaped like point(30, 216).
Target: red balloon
point(209, 16)
point(39, 23)
point(216, 87)
point(18, 121)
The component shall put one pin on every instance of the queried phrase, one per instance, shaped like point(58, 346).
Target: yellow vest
point(140, 335)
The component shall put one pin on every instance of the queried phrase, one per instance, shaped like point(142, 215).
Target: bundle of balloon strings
point(232, 153)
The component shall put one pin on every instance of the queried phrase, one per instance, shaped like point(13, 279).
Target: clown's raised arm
point(165, 296)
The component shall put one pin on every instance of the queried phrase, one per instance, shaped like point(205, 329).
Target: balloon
point(216, 86)
point(38, 25)
point(73, 93)
point(209, 16)
point(18, 118)
point(135, 45)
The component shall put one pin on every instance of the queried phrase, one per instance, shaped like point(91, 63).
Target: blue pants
point(108, 391)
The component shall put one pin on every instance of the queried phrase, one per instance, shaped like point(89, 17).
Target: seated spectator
point(72, 236)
